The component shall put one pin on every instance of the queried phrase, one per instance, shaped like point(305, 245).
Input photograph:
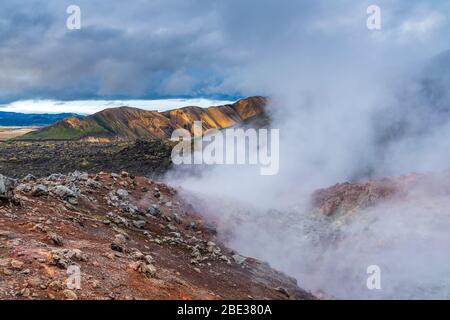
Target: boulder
point(93, 184)
point(146, 268)
point(238, 258)
point(56, 177)
point(63, 192)
point(154, 211)
point(70, 295)
point(24, 187)
point(140, 224)
point(39, 190)
point(122, 194)
point(29, 178)
point(7, 186)
point(63, 258)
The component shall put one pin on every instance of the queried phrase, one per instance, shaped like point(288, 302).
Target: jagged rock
point(25, 292)
point(16, 264)
point(154, 210)
point(197, 270)
point(171, 227)
point(120, 199)
point(175, 234)
point(83, 176)
point(39, 190)
point(283, 291)
point(63, 258)
point(40, 227)
point(129, 207)
point(72, 200)
point(145, 268)
point(24, 187)
point(121, 237)
point(113, 199)
point(119, 243)
point(149, 259)
point(137, 255)
point(225, 258)
point(64, 192)
point(122, 194)
point(93, 184)
point(211, 247)
point(211, 229)
point(196, 256)
point(6, 187)
point(56, 239)
point(116, 247)
point(56, 177)
point(118, 219)
point(77, 175)
point(55, 285)
point(192, 226)
point(238, 258)
point(29, 178)
point(70, 295)
point(140, 224)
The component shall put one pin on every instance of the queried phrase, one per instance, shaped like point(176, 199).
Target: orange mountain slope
point(126, 123)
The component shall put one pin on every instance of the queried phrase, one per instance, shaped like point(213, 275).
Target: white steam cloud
point(350, 104)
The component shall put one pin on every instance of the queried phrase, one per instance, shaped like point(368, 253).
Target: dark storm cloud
point(173, 47)
point(133, 49)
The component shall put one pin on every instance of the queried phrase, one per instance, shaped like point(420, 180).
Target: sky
point(219, 50)
point(86, 107)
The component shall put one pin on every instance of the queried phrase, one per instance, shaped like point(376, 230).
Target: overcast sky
point(92, 106)
point(140, 49)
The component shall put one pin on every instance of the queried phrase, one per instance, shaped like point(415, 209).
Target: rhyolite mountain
point(127, 123)
point(13, 119)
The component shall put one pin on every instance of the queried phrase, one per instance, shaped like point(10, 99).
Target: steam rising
point(350, 104)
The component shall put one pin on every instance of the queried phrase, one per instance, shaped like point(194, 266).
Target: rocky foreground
point(131, 237)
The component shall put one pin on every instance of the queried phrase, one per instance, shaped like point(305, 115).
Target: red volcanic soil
point(349, 197)
point(132, 238)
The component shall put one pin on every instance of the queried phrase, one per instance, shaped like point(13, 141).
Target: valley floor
point(13, 132)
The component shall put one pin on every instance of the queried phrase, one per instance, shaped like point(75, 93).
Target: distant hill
point(13, 119)
point(126, 123)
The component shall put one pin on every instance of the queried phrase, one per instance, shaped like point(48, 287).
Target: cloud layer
point(92, 106)
point(150, 49)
